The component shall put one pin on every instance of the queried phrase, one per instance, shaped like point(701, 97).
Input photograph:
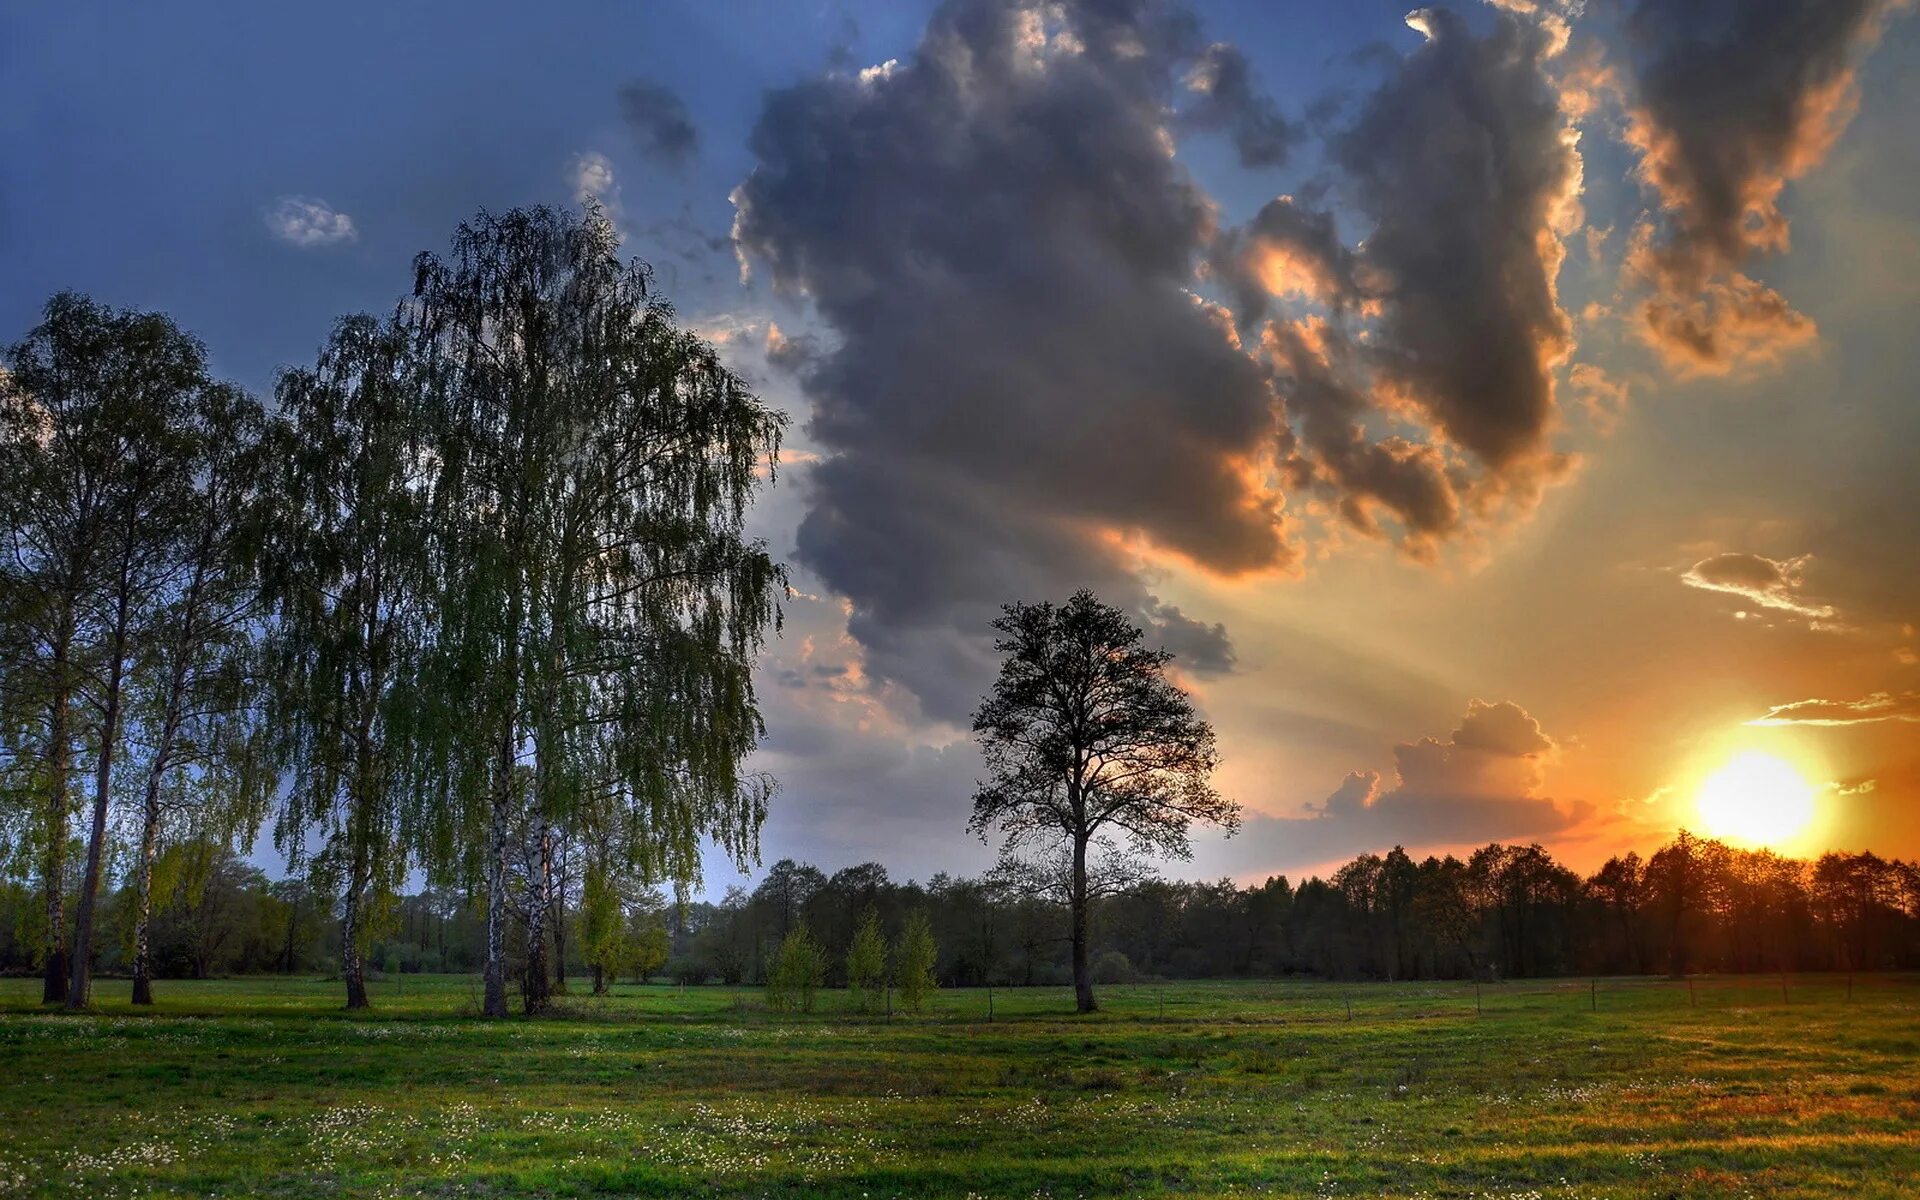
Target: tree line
point(1503, 911)
point(472, 599)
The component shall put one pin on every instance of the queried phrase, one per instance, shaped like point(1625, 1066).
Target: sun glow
point(1755, 799)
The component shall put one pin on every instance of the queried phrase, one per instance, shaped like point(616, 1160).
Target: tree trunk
point(353, 968)
point(558, 892)
point(1082, 978)
point(599, 981)
point(150, 822)
point(80, 980)
point(54, 867)
point(537, 989)
point(495, 1003)
point(143, 882)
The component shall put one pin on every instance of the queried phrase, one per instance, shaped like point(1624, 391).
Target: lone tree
point(1085, 738)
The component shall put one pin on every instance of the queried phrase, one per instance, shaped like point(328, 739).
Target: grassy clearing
point(263, 1087)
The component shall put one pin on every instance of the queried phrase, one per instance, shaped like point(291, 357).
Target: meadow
point(1614, 1088)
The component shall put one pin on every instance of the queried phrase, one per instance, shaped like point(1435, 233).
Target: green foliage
point(914, 956)
point(799, 968)
point(600, 603)
point(867, 961)
point(651, 945)
point(605, 943)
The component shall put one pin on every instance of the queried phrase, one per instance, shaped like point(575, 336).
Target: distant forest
point(1502, 912)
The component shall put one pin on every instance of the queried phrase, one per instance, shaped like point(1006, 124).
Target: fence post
point(1349, 996)
point(1594, 992)
point(1476, 997)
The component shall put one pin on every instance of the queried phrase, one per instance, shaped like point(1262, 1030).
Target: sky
point(1504, 412)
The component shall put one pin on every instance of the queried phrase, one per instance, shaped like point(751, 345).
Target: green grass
point(265, 1088)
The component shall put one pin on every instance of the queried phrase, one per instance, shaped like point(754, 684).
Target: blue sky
point(1516, 485)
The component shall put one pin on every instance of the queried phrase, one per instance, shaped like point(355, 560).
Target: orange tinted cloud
point(1726, 104)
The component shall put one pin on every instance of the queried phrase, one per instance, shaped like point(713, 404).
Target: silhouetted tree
point(1084, 735)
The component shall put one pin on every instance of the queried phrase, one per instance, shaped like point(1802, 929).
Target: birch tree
point(345, 580)
point(92, 451)
point(197, 693)
point(602, 604)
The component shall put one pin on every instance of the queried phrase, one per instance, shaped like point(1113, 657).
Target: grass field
point(1624, 1089)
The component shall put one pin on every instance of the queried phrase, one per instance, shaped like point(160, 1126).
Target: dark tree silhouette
point(1085, 738)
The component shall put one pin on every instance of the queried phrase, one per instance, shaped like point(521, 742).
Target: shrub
point(1112, 967)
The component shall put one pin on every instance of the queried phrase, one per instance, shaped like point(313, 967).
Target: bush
point(798, 969)
point(687, 971)
point(1112, 967)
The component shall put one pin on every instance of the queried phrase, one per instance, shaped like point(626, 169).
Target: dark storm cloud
point(1728, 100)
point(1425, 393)
point(1022, 388)
point(1464, 163)
point(1317, 366)
point(1229, 100)
point(1287, 248)
point(658, 120)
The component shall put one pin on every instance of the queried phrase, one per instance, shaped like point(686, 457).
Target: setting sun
point(1755, 799)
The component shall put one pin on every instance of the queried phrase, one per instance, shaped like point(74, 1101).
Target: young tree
point(344, 581)
point(606, 941)
point(867, 960)
point(913, 962)
point(601, 599)
point(1084, 735)
point(798, 969)
point(651, 944)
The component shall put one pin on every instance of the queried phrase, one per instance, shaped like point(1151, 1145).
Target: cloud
point(305, 221)
point(1481, 783)
point(591, 177)
point(1873, 708)
point(1727, 101)
point(658, 120)
point(1465, 163)
point(1769, 582)
point(1023, 394)
point(1230, 101)
point(1425, 391)
point(1604, 397)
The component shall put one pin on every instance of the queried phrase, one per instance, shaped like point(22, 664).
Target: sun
point(1756, 799)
